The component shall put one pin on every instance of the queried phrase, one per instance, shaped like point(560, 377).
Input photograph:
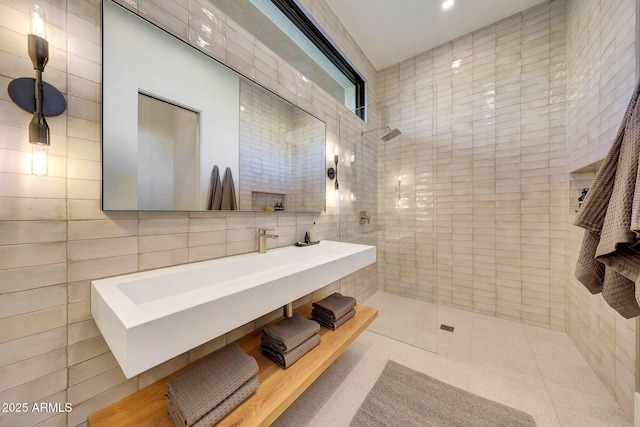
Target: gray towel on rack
point(289, 333)
point(203, 387)
point(332, 324)
point(335, 305)
point(228, 192)
point(610, 214)
point(215, 197)
point(222, 409)
point(284, 360)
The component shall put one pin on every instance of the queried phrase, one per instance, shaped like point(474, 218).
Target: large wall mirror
point(183, 132)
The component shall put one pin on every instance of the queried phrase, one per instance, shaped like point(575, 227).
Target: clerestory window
point(286, 28)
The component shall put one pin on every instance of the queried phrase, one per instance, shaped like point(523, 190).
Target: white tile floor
point(532, 369)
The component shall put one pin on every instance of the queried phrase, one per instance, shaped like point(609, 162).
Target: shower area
point(396, 211)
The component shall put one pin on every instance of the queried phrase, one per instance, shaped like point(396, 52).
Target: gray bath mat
point(404, 397)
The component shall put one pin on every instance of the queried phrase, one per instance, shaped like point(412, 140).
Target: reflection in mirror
point(281, 149)
point(167, 142)
point(170, 118)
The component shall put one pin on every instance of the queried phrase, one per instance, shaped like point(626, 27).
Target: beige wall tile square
point(23, 325)
point(37, 389)
point(34, 345)
point(30, 369)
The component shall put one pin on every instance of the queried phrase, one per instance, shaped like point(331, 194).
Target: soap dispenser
point(313, 235)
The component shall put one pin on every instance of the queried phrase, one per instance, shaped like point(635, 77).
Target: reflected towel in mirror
point(215, 195)
point(228, 192)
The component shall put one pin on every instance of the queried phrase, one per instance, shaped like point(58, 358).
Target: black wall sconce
point(331, 172)
point(36, 96)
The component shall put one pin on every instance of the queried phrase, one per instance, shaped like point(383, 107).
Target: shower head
point(391, 133)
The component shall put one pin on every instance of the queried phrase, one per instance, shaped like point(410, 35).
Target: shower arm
point(389, 135)
point(364, 132)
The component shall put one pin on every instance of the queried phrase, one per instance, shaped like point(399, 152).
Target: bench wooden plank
point(278, 387)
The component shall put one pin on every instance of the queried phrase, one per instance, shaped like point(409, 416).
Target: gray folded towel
point(289, 333)
point(332, 324)
point(335, 305)
point(284, 360)
point(205, 386)
point(223, 409)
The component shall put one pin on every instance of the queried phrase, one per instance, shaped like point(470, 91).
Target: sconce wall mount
point(22, 92)
point(331, 173)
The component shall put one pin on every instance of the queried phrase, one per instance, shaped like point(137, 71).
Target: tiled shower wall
point(54, 238)
point(601, 76)
point(498, 160)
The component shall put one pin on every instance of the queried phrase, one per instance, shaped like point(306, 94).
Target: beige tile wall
point(601, 75)
point(502, 197)
point(497, 156)
point(54, 238)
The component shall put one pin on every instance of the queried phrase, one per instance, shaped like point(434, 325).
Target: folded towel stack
point(333, 311)
point(205, 394)
point(290, 339)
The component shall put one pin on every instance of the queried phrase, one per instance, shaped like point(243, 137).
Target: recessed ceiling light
point(447, 4)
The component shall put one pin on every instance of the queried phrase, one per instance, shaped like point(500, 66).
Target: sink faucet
point(262, 239)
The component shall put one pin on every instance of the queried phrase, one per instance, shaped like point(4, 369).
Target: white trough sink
point(149, 317)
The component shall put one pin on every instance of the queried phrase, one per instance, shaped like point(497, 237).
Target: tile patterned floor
point(528, 368)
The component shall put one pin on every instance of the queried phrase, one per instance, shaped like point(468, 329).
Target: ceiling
point(390, 31)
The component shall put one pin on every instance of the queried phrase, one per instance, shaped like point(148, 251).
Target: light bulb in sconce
point(336, 150)
point(353, 197)
point(39, 139)
point(353, 157)
point(336, 195)
point(38, 21)
point(39, 160)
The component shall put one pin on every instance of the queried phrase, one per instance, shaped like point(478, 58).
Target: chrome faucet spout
point(262, 239)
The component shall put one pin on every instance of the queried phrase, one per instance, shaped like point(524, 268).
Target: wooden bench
point(278, 387)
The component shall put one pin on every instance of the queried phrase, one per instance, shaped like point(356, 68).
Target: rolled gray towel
point(202, 388)
point(332, 324)
point(289, 333)
point(224, 408)
point(284, 360)
point(335, 305)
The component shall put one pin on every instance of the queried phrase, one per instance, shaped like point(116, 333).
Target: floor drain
point(446, 328)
